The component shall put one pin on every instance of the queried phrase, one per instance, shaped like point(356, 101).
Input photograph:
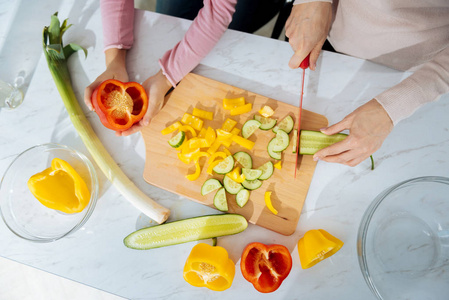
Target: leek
point(57, 56)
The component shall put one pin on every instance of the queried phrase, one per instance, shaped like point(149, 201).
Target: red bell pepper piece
point(119, 105)
point(265, 266)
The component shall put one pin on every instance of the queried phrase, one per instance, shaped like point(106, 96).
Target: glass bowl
point(403, 241)
point(24, 214)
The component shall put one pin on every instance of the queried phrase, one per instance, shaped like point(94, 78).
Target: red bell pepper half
point(265, 266)
point(120, 105)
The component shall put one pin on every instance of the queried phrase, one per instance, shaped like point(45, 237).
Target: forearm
point(118, 20)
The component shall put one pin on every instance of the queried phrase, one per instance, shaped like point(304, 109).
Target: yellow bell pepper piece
point(210, 136)
point(171, 128)
point(266, 111)
point(278, 165)
point(269, 204)
point(194, 176)
point(212, 166)
point(243, 142)
point(225, 150)
point(210, 267)
point(203, 114)
point(202, 133)
point(60, 187)
point(193, 121)
point(223, 135)
point(241, 109)
point(236, 175)
point(221, 154)
point(317, 245)
point(228, 125)
point(198, 143)
point(214, 147)
point(232, 103)
point(196, 157)
point(235, 131)
point(189, 128)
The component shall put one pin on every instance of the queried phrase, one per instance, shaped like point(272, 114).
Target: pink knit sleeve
point(207, 28)
point(425, 85)
point(118, 20)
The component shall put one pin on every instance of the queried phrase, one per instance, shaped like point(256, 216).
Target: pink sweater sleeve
point(207, 28)
point(118, 20)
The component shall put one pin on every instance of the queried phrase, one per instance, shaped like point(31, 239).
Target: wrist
point(115, 58)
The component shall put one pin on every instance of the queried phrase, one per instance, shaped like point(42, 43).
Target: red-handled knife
point(304, 65)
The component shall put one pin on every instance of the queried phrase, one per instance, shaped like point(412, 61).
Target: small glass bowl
point(24, 214)
point(403, 241)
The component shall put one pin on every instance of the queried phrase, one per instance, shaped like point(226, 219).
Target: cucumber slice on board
point(267, 170)
point(187, 230)
point(244, 159)
point(225, 166)
point(266, 123)
point(286, 124)
point(177, 140)
point(252, 184)
point(271, 152)
point(311, 141)
point(294, 140)
point(242, 197)
point(210, 185)
point(220, 201)
point(251, 174)
point(282, 141)
point(231, 186)
point(249, 128)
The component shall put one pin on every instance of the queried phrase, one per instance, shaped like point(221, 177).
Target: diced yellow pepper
point(236, 175)
point(235, 131)
point(228, 125)
point(266, 111)
point(202, 133)
point(171, 128)
point(196, 174)
point(278, 165)
point(210, 136)
point(241, 109)
point(203, 114)
point(188, 128)
point(232, 103)
point(214, 147)
point(269, 204)
point(197, 143)
point(226, 142)
point(193, 121)
point(223, 155)
point(243, 142)
point(223, 135)
point(225, 150)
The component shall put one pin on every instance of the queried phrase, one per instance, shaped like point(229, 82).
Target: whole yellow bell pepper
point(209, 266)
point(60, 187)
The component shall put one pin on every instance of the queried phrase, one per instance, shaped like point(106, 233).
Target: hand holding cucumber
point(368, 127)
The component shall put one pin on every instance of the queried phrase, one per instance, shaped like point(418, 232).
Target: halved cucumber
point(177, 140)
point(266, 123)
point(282, 141)
point(252, 184)
point(244, 159)
point(286, 124)
point(311, 142)
point(242, 197)
point(220, 201)
point(210, 185)
point(249, 128)
point(267, 170)
point(251, 174)
point(231, 186)
point(225, 166)
point(271, 152)
point(187, 230)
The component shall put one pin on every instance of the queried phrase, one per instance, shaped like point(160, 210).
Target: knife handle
point(305, 63)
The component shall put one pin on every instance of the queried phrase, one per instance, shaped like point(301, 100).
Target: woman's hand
point(157, 87)
point(307, 28)
point(368, 127)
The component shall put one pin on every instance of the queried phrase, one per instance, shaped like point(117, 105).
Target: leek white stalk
point(57, 56)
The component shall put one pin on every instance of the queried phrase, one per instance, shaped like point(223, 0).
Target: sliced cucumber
point(311, 142)
point(282, 141)
point(242, 197)
point(210, 185)
point(251, 174)
point(266, 123)
point(225, 166)
point(187, 230)
point(231, 186)
point(267, 170)
point(177, 140)
point(286, 124)
point(244, 159)
point(220, 201)
point(271, 152)
point(252, 184)
point(294, 140)
point(249, 128)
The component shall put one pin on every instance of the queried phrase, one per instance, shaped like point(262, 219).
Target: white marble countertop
point(337, 198)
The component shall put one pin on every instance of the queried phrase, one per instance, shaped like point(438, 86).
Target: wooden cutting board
point(163, 168)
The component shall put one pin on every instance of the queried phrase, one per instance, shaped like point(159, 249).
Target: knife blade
point(304, 65)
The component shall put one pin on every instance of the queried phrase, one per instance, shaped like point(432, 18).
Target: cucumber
point(231, 186)
point(294, 140)
point(225, 166)
point(242, 197)
point(311, 142)
point(249, 128)
point(267, 170)
point(251, 174)
point(210, 185)
point(271, 152)
point(187, 230)
point(177, 140)
point(286, 124)
point(282, 141)
point(252, 184)
point(244, 159)
point(266, 123)
point(220, 201)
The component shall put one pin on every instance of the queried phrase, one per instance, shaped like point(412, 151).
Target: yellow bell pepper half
point(317, 245)
point(209, 266)
point(60, 187)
